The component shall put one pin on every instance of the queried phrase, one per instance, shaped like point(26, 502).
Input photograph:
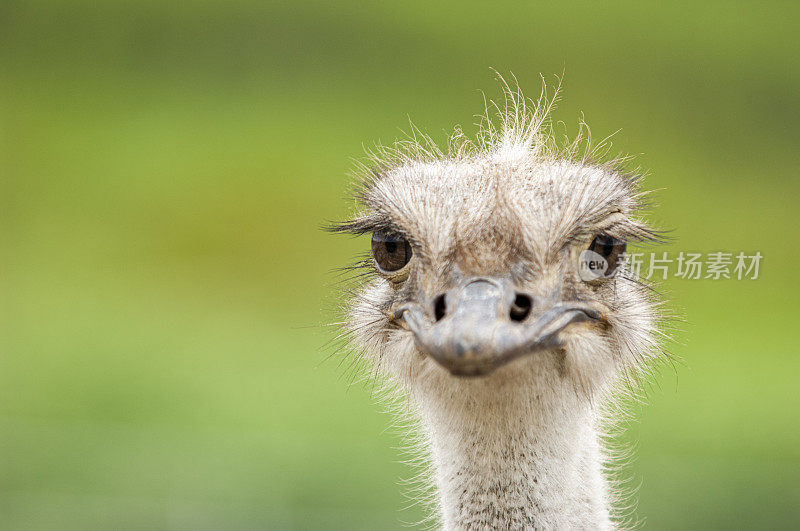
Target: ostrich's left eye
point(391, 253)
point(609, 248)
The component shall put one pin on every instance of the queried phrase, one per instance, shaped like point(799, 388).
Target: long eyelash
point(636, 233)
point(644, 284)
point(362, 261)
point(623, 231)
point(356, 272)
point(365, 225)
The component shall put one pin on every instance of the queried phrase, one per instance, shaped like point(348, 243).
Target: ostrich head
point(503, 257)
point(478, 301)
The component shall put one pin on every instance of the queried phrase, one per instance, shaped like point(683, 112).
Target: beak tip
point(468, 371)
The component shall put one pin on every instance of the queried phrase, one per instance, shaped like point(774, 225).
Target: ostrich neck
point(517, 464)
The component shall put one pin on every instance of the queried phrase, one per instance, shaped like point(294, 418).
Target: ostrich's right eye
point(391, 253)
point(609, 248)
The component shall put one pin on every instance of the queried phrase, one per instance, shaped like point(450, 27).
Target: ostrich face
point(477, 270)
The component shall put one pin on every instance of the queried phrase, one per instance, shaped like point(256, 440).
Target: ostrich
point(477, 310)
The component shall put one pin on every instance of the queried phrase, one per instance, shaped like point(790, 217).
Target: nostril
point(520, 308)
point(439, 307)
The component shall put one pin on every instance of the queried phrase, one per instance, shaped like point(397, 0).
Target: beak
point(477, 333)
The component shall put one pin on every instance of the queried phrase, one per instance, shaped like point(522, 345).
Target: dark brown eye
point(391, 253)
point(610, 249)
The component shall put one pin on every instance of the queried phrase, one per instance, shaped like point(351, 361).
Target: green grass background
point(165, 168)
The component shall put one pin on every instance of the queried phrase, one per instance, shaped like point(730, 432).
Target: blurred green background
point(165, 168)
